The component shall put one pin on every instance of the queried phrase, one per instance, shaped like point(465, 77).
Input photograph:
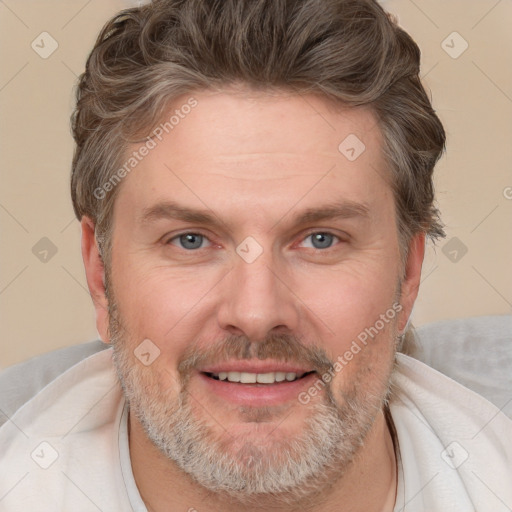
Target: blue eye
point(189, 241)
point(321, 240)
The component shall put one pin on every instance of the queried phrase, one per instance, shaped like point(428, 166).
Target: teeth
point(248, 378)
point(280, 376)
point(265, 378)
point(260, 378)
point(234, 376)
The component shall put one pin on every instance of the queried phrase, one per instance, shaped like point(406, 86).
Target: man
point(254, 184)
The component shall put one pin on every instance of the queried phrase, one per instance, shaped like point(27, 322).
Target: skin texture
point(255, 162)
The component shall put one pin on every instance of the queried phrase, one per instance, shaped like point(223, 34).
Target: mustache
point(275, 346)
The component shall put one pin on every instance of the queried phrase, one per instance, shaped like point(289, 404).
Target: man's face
point(248, 246)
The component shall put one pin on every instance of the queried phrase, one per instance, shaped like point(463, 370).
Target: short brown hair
point(349, 51)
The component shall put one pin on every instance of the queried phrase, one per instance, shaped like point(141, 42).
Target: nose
point(257, 300)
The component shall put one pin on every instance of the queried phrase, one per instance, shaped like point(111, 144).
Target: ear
point(95, 273)
point(411, 280)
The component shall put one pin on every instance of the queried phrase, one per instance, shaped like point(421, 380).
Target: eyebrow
point(169, 210)
point(174, 211)
point(341, 210)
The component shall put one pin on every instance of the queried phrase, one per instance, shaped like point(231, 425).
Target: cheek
point(349, 299)
point(358, 315)
point(162, 303)
point(364, 364)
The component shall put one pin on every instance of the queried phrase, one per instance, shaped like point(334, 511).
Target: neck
point(368, 484)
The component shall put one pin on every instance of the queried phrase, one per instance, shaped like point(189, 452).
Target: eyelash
point(307, 235)
point(176, 237)
point(328, 233)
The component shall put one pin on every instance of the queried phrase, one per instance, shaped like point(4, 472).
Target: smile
point(257, 378)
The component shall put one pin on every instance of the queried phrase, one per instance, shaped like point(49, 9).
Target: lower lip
point(257, 395)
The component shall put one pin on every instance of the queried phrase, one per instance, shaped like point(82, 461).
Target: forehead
point(235, 149)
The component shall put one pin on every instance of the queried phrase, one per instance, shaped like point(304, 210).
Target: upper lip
point(256, 366)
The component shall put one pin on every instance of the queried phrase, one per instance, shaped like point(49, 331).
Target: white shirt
point(66, 449)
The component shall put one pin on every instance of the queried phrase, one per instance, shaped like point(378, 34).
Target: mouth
point(257, 378)
point(255, 384)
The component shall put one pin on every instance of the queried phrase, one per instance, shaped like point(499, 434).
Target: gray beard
point(293, 469)
point(288, 470)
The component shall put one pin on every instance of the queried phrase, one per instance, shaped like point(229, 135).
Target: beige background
point(46, 305)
